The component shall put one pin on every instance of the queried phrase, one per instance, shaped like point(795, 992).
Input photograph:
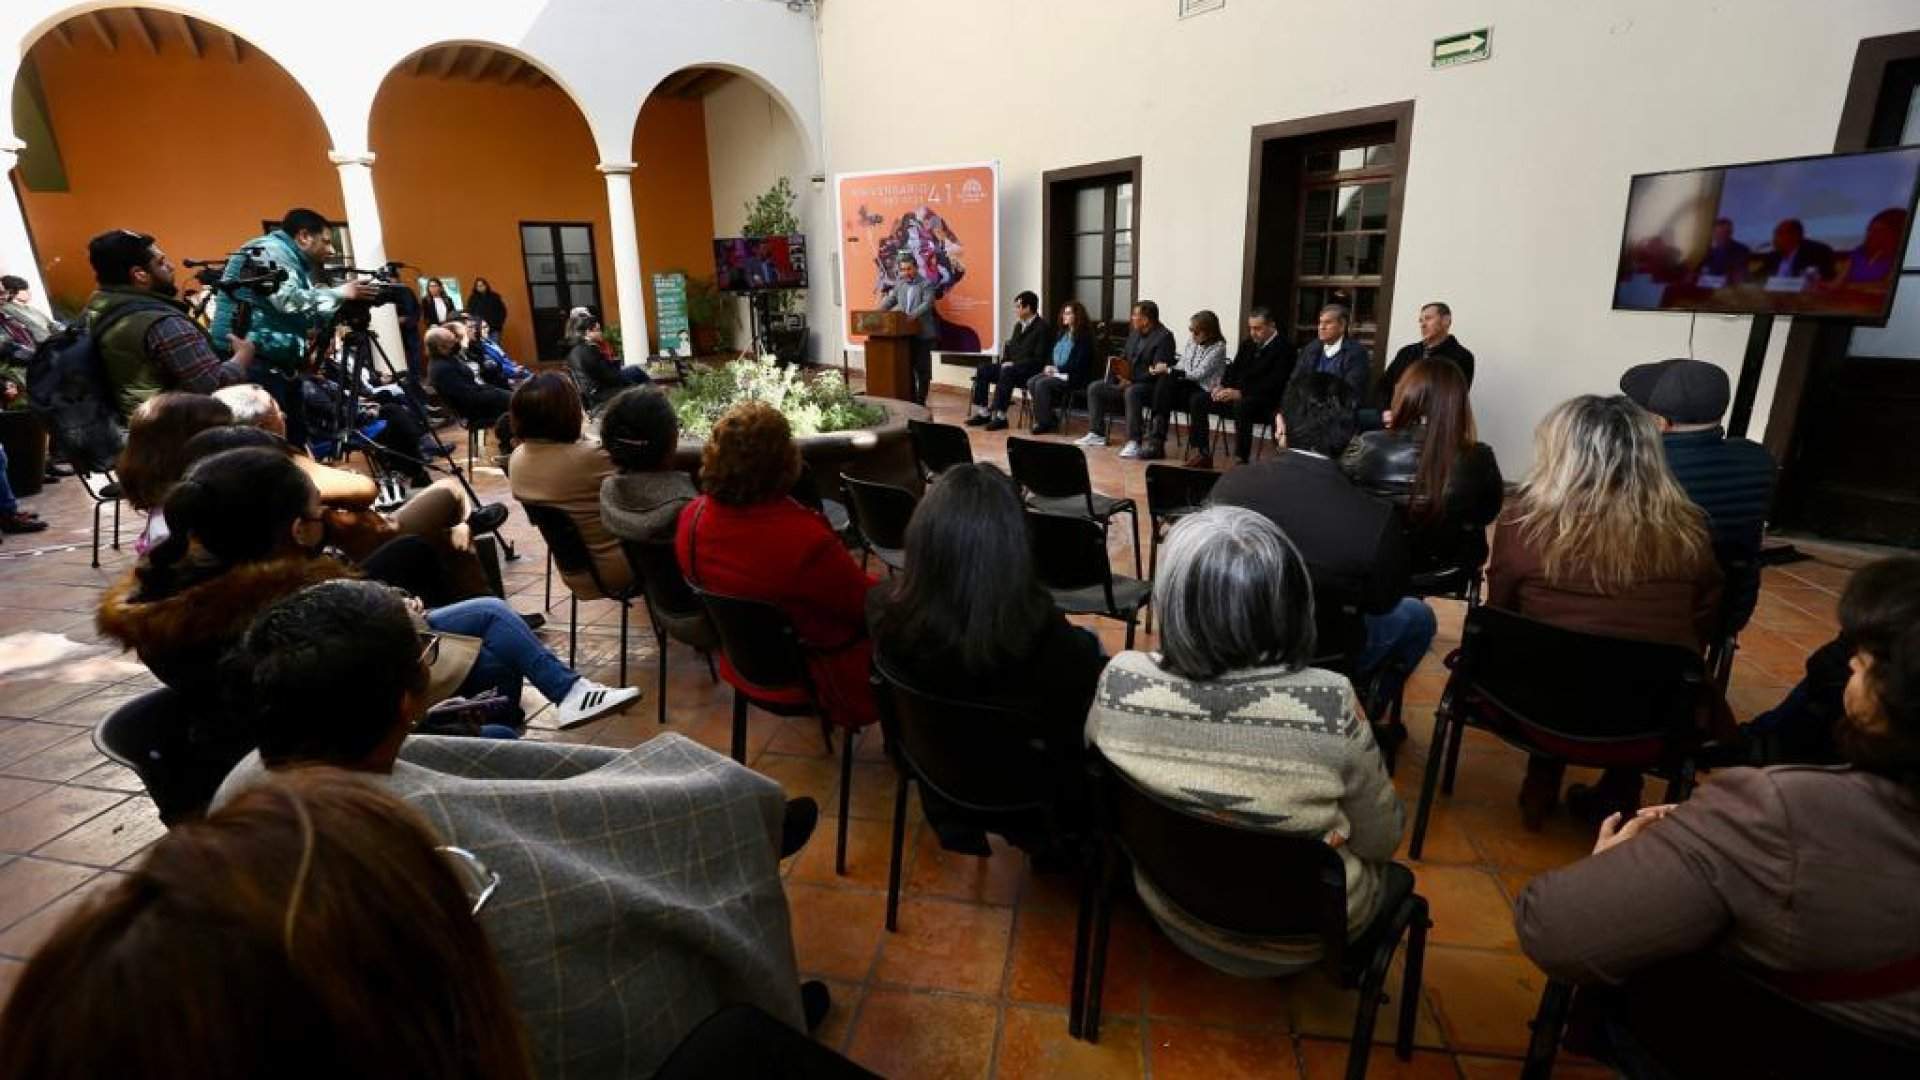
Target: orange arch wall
point(196, 152)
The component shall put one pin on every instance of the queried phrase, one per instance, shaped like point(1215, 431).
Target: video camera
point(388, 289)
point(252, 277)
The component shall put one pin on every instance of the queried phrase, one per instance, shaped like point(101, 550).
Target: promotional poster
point(948, 219)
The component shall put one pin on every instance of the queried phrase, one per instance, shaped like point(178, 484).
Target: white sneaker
point(1131, 450)
point(588, 700)
point(1091, 438)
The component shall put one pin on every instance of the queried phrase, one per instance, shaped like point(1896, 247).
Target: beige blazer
point(568, 475)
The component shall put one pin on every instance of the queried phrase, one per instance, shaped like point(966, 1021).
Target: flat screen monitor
point(759, 263)
point(1817, 236)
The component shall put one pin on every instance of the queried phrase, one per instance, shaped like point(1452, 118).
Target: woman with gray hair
point(1228, 719)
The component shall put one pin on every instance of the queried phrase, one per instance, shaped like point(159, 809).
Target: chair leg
point(713, 674)
point(1681, 785)
point(549, 604)
point(1544, 1046)
point(846, 797)
point(116, 524)
point(1360, 1044)
point(1133, 517)
point(1458, 736)
point(1097, 972)
point(573, 631)
point(1132, 622)
point(1427, 785)
point(1083, 929)
point(1410, 980)
point(96, 535)
point(899, 842)
point(626, 611)
point(739, 727)
point(660, 647)
point(1153, 561)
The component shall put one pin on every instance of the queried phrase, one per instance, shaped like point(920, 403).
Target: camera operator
point(284, 320)
point(150, 343)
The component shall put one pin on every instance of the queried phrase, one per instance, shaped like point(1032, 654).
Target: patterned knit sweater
point(1282, 750)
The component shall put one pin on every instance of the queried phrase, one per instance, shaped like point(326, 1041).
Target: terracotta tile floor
point(974, 982)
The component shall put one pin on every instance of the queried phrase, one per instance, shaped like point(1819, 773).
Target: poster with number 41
point(947, 219)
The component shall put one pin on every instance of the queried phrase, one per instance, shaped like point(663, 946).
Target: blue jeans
point(1396, 641)
point(8, 504)
point(634, 375)
point(508, 650)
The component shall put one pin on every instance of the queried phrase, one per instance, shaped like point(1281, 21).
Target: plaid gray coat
point(639, 889)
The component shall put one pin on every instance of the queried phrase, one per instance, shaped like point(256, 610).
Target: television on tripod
point(749, 264)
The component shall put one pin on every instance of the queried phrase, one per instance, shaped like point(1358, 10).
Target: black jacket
point(1031, 348)
point(599, 378)
point(468, 397)
point(430, 309)
point(1260, 372)
point(1384, 463)
point(1354, 543)
point(489, 308)
point(1353, 365)
point(1449, 347)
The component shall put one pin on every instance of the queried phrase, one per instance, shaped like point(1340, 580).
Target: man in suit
point(1436, 339)
point(1027, 351)
point(1250, 390)
point(1332, 352)
point(1355, 545)
point(915, 297)
point(455, 382)
point(1795, 256)
point(1726, 258)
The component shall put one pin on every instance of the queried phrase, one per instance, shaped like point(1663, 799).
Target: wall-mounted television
point(1817, 236)
point(760, 263)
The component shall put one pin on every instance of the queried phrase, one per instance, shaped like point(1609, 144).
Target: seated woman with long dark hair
point(155, 454)
point(747, 537)
point(1431, 462)
point(555, 465)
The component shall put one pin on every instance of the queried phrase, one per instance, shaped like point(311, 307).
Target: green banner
point(669, 311)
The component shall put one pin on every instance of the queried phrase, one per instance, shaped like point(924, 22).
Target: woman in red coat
point(747, 537)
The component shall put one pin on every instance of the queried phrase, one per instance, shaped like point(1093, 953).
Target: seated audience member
point(13, 519)
point(1431, 463)
point(968, 619)
point(1354, 544)
point(1236, 641)
point(312, 928)
point(1806, 876)
point(1600, 539)
point(594, 366)
point(155, 454)
point(552, 464)
point(1436, 343)
point(1025, 354)
point(1730, 480)
point(1149, 354)
point(458, 386)
point(1068, 369)
point(21, 319)
point(1803, 729)
point(1333, 352)
point(746, 537)
point(643, 499)
point(496, 367)
point(654, 870)
point(1189, 387)
point(1252, 387)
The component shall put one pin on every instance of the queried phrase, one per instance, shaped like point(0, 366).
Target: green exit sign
point(1463, 48)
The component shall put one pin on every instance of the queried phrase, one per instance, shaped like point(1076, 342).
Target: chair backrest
point(759, 640)
point(881, 511)
point(984, 758)
point(1229, 874)
point(1578, 687)
point(149, 735)
point(938, 447)
point(562, 535)
point(1174, 489)
point(1049, 469)
point(655, 564)
point(1069, 552)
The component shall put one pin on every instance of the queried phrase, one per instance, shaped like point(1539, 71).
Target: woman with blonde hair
point(1602, 539)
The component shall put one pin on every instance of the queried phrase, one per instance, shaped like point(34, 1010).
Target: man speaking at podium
point(915, 297)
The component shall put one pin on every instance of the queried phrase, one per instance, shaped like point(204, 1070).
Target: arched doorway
point(165, 123)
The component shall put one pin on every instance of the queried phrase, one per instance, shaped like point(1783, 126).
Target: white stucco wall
point(1517, 175)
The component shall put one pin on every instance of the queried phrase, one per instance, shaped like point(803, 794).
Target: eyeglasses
point(476, 880)
point(429, 649)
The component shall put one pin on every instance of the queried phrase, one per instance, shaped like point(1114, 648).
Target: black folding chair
point(762, 647)
point(1251, 881)
point(1586, 699)
point(1070, 555)
point(1741, 573)
point(880, 514)
point(149, 734)
point(1673, 1011)
point(1055, 479)
point(103, 488)
point(568, 550)
point(671, 606)
point(938, 447)
point(1173, 492)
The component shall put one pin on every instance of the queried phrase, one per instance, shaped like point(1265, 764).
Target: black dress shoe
point(487, 519)
point(18, 522)
point(977, 419)
point(998, 423)
point(815, 1002)
point(1044, 429)
point(534, 619)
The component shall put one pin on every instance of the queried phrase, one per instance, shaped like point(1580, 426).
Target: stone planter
point(881, 452)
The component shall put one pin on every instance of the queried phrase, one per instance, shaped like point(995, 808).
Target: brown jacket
point(1789, 869)
point(1680, 610)
point(568, 475)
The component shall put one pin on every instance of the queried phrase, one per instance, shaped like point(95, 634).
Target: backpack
point(67, 385)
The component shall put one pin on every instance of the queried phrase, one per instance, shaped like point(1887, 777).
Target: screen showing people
point(1809, 236)
point(752, 263)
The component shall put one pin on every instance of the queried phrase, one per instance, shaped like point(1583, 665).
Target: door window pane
point(1319, 210)
point(584, 296)
point(1373, 205)
point(546, 296)
point(1365, 303)
point(1123, 207)
point(1380, 154)
point(536, 239)
point(1313, 256)
point(1122, 297)
point(1900, 338)
point(540, 268)
point(1090, 210)
point(1321, 161)
point(1308, 310)
point(1346, 214)
point(1358, 256)
point(576, 239)
point(1088, 253)
point(578, 267)
point(1123, 252)
point(1087, 291)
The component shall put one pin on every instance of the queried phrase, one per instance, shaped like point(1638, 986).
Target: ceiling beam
point(189, 35)
point(510, 70)
point(482, 60)
point(101, 30)
point(235, 48)
point(142, 31)
point(60, 31)
point(449, 59)
point(533, 76)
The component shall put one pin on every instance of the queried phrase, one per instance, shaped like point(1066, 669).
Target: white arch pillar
point(16, 245)
point(369, 241)
point(629, 297)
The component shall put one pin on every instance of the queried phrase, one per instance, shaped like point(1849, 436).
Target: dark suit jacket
point(438, 309)
point(1260, 372)
point(1810, 255)
point(1354, 544)
point(1029, 348)
point(1353, 365)
point(1449, 347)
point(467, 396)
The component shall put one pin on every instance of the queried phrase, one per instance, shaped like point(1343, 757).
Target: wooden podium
point(889, 351)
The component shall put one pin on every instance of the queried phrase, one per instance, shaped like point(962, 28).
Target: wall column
point(16, 246)
point(630, 300)
point(369, 241)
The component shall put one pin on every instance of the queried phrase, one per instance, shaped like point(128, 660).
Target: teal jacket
point(282, 321)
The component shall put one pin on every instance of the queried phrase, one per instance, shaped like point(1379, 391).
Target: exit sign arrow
point(1464, 48)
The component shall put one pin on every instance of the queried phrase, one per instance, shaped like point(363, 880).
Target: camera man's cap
point(1683, 391)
